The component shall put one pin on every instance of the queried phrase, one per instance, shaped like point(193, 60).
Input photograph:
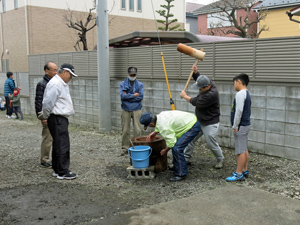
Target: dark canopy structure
point(148, 38)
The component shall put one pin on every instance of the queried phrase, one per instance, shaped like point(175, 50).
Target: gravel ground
point(30, 195)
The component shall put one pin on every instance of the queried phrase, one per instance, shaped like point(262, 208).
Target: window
point(16, 4)
point(7, 65)
point(3, 65)
point(218, 20)
point(131, 5)
point(139, 5)
point(123, 4)
point(3, 6)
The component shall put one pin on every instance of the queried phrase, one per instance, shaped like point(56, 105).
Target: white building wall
point(147, 11)
point(76, 5)
point(114, 7)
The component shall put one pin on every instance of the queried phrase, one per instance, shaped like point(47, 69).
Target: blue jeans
point(179, 162)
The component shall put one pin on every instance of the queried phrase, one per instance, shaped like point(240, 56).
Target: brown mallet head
point(191, 51)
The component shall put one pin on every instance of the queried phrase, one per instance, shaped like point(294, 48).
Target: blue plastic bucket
point(140, 156)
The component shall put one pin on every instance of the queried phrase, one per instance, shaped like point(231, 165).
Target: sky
point(204, 2)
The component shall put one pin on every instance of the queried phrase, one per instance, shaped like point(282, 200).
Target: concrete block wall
point(275, 120)
point(84, 95)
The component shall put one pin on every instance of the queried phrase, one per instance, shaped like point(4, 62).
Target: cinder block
point(291, 141)
point(274, 139)
point(276, 103)
point(257, 136)
point(292, 92)
point(224, 132)
point(292, 117)
point(257, 90)
point(275, 127)
point(146, 173)
point(292, 153)
point(292, 104)
point(275, 115)
point(256, 147)
point(225, 88)
point(274, 150)
point(292, 129)
point(258, 101)
point(275, 91)
point(225, 99)
point(258, 113)
point(225, 109)
point(258, 125)
point(225, 121)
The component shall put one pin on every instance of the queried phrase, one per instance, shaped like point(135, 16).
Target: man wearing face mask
point(132, 94)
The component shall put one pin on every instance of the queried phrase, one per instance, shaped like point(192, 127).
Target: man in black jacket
point(208, 114)
point(50, 69)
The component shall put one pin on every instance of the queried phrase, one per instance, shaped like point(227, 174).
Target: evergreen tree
point(167, 15)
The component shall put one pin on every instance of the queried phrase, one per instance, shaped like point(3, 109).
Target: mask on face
point(131, 78)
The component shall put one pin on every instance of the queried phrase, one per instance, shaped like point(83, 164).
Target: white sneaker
point(13, 117)
point(54, 174)
point(9, 117)
point(69, 176)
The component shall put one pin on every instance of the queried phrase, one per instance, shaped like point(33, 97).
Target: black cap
point(146, 119)
point(132, 70)
point(70, 68)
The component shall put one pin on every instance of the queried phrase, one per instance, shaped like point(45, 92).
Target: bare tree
point(166, 13)
point(81, 25)
point(225, 13)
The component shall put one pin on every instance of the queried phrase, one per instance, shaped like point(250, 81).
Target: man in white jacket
point(57, 107)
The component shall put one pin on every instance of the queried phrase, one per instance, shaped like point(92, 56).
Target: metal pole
point(103, 66)
point(163, 61)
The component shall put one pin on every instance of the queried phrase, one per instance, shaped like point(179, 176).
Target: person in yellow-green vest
point(178, 128)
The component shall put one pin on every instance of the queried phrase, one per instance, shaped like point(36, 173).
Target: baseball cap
point(132, 70)
point(146, 119)
point(70, 68)
point(202, 81)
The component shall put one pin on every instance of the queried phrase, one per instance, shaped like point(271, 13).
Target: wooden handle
point(188, 81)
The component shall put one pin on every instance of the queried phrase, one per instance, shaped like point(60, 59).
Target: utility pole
point(103, 66)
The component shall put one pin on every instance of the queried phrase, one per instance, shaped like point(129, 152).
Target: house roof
point(189, 15)
point(148, 38)
point(273, 4)
point(190, 7)
point(296, 11)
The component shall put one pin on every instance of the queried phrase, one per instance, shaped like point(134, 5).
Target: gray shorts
point(241, 139)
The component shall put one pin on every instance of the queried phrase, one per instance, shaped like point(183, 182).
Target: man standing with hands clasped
point(50, 69)
point(208, 114)
point(57, 107)
point(132, 94)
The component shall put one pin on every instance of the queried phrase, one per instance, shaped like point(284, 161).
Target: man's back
point(40, 89)
point(9, 86)
point(207, 106)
